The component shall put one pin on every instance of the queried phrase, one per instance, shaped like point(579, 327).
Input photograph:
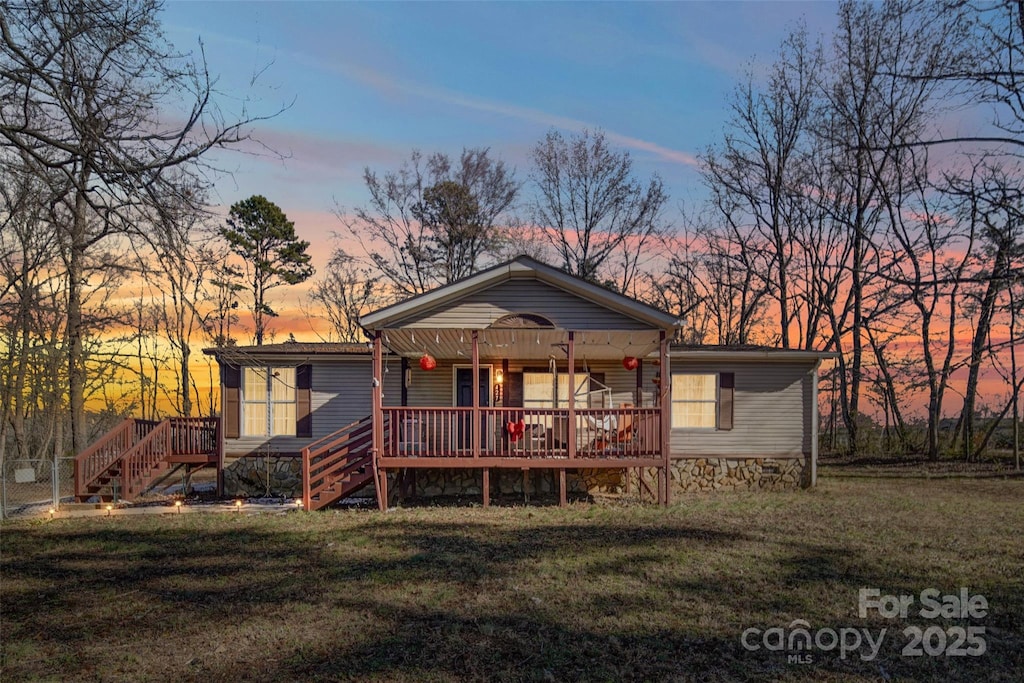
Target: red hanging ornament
point(515, 430)
point(630, 363)
point(427, 362)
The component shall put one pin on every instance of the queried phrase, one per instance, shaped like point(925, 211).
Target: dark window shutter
point(726, 399)
point(596, 382)
point(231, 380)
point(514, 390)
point(304, 401)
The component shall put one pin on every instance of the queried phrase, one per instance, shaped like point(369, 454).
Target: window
point(268, 402)
point(695, 401)
point(541, 391)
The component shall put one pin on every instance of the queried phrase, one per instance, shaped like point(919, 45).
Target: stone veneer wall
point(732, 474)
point(255, 475)
point(249, 475)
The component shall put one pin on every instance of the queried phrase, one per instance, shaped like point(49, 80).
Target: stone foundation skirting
point(258, 475)
point(280, 475)
point(738, 474)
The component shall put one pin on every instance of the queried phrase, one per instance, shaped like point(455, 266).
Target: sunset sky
point(369, 82)
point(363, 84)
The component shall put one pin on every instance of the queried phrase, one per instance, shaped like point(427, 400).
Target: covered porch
point(546, 396)
point(602, 423)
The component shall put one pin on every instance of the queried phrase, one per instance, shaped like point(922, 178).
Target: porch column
point(475, 384)
point(572, 396)
point(666, 417)
point(377, 421)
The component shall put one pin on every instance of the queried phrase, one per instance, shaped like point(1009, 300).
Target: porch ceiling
point(532, 344)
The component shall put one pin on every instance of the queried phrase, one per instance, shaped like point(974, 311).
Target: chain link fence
point(28, 484)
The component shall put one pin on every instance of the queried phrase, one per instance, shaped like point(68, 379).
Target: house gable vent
point(522, 321)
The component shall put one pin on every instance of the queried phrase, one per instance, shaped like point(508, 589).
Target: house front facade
point(516, 381)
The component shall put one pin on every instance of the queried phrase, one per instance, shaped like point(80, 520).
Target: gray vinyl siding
point(771, 416)
point(436, 387)
point(565, 310)
point(340, 396)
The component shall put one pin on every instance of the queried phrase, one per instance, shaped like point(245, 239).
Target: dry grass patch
point(586, 593)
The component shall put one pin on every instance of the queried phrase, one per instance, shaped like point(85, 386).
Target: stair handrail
point(105, 451)
point(141, 458)
point(320, 459)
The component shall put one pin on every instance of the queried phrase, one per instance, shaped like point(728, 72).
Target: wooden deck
point(134, 455)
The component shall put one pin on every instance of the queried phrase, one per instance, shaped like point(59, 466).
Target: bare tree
point(99, 106)
point(184, 255)
point(346, 291)
point(599, 219)
point(991, 201)
point(434, 220)
point(760, 165)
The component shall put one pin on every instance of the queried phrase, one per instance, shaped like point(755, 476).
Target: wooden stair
point(338, 465)
point(137, 454)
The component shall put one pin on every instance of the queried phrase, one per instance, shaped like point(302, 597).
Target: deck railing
point(194, 435)
point(329, 463)
point(91, 463)
point(625, 432)
point(138, 446)
point(139, 462)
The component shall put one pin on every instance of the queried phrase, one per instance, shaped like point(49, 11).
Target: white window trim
point(269, 402)
point(717, 402)
point(555, 404)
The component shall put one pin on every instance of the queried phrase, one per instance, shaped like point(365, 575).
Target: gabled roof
point(523, 267)
point(289, 349)
point(746, 352)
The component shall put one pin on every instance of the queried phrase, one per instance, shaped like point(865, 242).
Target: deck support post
point(377, 413)
point(475, 384)
point(486, 487)
point(562, 500)
point(571, 431)
point(665, 388)
point(221, 464)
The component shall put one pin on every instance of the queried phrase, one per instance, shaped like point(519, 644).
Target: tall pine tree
point(259, 231)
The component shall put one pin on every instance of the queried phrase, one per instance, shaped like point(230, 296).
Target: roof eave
point(776, 356)
point(521, 267)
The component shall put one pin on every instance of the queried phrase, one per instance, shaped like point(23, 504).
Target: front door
point(464, 399)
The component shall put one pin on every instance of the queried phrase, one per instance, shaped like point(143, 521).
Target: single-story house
point(577, 389)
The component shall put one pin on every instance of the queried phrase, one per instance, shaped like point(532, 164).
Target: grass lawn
point(591, 592)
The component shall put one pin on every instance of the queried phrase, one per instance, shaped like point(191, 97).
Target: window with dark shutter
point(231, 381)
point(514, 389)
point(726, 399)
point(304, 401)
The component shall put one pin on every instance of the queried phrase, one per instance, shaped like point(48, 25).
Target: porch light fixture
point(630, 363)
point(427, 362)
point(408, 377)
point(499, 379)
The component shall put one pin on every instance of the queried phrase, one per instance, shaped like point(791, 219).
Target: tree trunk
point(76, 353)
